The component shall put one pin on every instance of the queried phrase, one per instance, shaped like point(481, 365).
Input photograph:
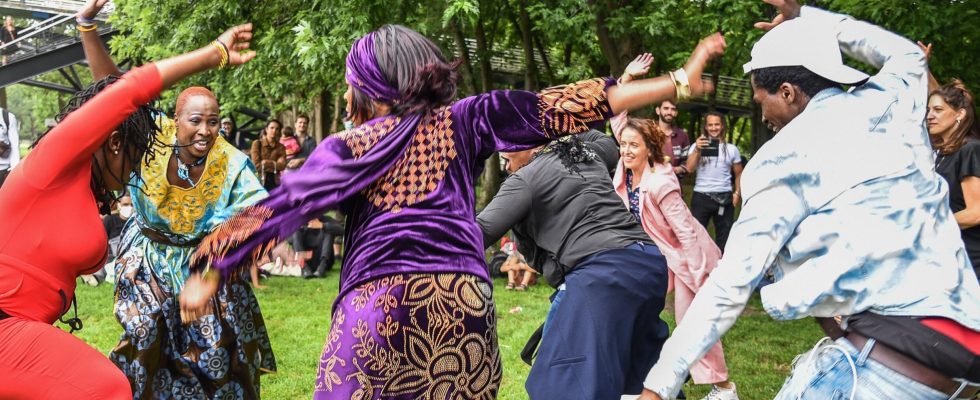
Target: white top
point(10, 135)
point(714, 174)
point(844, 229)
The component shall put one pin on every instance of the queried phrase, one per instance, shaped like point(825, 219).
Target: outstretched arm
point(636, 68)
point(644, 92)
point(515, 120)
point(927, 50)
point(96, 54)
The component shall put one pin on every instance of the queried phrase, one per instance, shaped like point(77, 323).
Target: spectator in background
point(715, 192)
point(677, 145)
point(520, 275)
point(269, 156)
point(8, 34)
point(9, 144)
point(955, 134)
point(229, 131)
point(306, 142)
point(288, 140)
point(318, 237)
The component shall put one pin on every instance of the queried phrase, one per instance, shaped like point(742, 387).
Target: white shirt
point(10, 135)
point(714, 174)
point(845, 207)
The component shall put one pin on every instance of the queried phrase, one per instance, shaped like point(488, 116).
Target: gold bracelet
point(87, 28)
point(210, 275)
point(681, 84)
point(223, 50)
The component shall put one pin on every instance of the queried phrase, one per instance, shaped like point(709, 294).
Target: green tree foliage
point(302, 44)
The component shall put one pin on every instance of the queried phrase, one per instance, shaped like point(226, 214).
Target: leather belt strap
point(910, 368)
point(158, 237)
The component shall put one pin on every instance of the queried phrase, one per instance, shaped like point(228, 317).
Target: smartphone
point(711, 150)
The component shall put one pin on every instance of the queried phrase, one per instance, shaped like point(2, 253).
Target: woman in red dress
point(50, 231)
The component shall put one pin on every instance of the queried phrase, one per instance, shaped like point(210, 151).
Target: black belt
point(158, 237)
point(910, 368)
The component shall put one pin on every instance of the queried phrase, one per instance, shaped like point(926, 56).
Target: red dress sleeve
point(83, 131)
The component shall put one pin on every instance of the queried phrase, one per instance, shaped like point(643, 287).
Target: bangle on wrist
point(682, 84)
point(210, 275)
point(84, 20)
point(223, 50)
point(87, 28)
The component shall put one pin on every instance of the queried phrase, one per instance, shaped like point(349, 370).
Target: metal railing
point(52, 6)
point(50, 34)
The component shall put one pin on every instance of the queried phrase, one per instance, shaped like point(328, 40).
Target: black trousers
point(320, 241)
point(705, 210)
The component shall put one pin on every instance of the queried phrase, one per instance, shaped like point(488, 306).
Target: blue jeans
point(831, 377)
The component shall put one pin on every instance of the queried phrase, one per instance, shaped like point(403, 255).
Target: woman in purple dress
point(415, 314)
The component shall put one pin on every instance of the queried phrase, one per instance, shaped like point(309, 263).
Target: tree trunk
point(317, 123)
point(606, 41)
point(490, 179)
point(544, 59)
point(618, 50)
point(530, 66)
point(464, 57)
point(483, 54)
point(741, 130)
point(336, 122)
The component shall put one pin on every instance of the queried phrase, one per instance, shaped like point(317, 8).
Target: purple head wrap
point(364, 74)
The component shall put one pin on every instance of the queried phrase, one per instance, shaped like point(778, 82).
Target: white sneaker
point(718, 393)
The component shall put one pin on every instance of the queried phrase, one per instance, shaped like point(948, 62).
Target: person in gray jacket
point(603, 331)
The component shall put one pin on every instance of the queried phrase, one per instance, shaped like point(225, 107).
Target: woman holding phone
point(715, 193)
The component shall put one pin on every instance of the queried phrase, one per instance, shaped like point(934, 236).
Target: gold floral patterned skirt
point(412, 336)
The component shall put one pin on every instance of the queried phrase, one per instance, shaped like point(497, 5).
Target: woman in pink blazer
point(648, 186)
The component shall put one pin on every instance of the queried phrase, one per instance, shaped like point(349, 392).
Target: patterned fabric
point(412, 336)
point(422, 167)
point(634, 195)
point(222, 354)
point(867, 231)
point(362, 139)
point(184, 216)
point(572, 108)
point(219, 356)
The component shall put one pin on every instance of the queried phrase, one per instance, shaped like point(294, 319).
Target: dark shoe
point(307, 274)
point(322, 269)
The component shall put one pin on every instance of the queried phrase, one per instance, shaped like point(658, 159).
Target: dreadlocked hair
point(138, 136)
point(571, 151)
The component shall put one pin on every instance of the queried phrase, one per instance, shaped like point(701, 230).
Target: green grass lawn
point(297, 311)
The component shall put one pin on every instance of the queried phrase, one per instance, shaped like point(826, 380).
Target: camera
point(711, 150)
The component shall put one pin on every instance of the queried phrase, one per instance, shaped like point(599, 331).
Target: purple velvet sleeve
point(340, 167)
point(514, 120)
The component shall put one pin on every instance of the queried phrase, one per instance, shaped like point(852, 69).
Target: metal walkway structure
point(49, 43)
